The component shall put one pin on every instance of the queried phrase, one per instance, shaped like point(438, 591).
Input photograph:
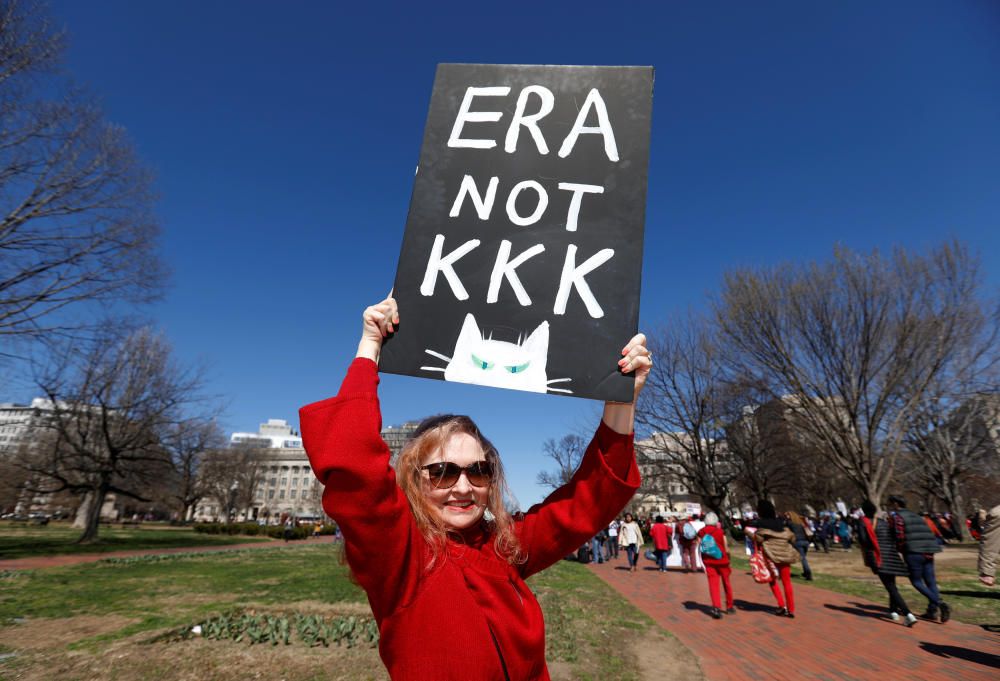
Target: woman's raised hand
point(636, 357)
point(377, 322)
point(620, 416)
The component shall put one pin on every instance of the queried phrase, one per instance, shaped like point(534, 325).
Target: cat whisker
point(438, 355)
point(441, 369)
point(558, 380)
point(559, 390)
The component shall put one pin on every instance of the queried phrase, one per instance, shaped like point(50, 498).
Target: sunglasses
point(445, 474)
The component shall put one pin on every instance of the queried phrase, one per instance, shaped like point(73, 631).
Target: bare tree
point(231, 477)
point(852, 345)
point(567, 454)
point(767, 465)
point(13, 481)
point(682, 406)
point(187, 443)
point(76, 222)
point(947, 443)
point(110, 402)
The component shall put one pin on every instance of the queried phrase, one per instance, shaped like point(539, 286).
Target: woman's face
point(460, 506)
point(628, 517)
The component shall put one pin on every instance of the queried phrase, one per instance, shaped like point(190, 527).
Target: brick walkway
point(77, 558)
point(834, 637)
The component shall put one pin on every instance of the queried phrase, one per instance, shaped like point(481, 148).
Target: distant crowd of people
point(896, 542)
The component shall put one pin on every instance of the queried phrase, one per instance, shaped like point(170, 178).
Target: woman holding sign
point(441, 559)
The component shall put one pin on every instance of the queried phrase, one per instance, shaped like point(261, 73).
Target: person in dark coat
point(918, 545)
point(878, 544)
point(823, 533)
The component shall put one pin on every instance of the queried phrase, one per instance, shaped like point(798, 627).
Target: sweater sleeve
point(607, 478)
point(341, 435)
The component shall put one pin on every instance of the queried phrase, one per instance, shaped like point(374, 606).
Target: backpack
point(689, 532)
point(710, 548)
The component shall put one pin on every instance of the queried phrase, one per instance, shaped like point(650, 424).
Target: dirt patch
point(197, 660)
point(663, 658)
point(51, 634)
point(658, 657)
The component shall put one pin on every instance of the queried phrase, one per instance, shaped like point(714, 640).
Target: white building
point(663, 491)
point(287, 485)
point(18, 422)
point(275, 434)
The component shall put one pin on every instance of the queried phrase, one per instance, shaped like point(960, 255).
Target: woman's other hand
point(636, 357)
point(620, 416)
point(377, 322)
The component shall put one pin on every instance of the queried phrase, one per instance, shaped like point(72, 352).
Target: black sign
point(522, 258)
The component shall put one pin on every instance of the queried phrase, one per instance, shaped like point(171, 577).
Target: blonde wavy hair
point(431, 435)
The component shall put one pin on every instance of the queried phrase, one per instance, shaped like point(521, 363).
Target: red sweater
point(472, 616)
point(661, 533)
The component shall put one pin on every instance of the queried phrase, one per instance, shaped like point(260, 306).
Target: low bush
point(251, 627)
point(253, 530)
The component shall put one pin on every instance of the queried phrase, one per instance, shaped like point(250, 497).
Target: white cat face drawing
point(484, 361)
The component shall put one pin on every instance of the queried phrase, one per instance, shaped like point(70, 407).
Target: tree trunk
point(83, 511)
point(94, 516)
point(956, 504)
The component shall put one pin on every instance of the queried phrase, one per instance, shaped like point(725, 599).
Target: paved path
point(834, 637)
point(77, 558)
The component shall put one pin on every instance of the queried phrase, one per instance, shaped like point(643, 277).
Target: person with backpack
point(715, 556)
point(844, 532)
point(918, 545)
point(774, 538)
point(687, 539)
point(877, 540)
point(661, 534)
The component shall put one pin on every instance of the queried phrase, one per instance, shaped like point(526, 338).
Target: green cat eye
point(517, 368)
point(481, 363)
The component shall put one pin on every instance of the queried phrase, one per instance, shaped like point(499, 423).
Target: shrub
point(253, 530)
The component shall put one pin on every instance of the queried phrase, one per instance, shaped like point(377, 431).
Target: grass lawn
point(955, 567)
point(27, 541)
point(100, 621)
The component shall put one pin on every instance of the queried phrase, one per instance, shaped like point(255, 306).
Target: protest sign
point(522, 257)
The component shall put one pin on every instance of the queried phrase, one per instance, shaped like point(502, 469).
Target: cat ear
point(470, 334)
point(537, 344)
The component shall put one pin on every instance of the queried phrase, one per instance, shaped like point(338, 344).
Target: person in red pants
point(715, 556)
point(774, 538)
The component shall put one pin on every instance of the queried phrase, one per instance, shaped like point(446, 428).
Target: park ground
point(118, 615)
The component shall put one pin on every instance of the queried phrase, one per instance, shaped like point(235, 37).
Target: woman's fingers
point(636, 355)
point(382, 316)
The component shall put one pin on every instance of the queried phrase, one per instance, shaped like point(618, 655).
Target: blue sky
point(284, 137)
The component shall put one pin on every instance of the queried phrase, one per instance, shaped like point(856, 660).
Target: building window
point(292, 494)
point(270, 494)
point(272, 482)
point(295, 482)
point(284, 482)
point(281, 494)
point(295, 470)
